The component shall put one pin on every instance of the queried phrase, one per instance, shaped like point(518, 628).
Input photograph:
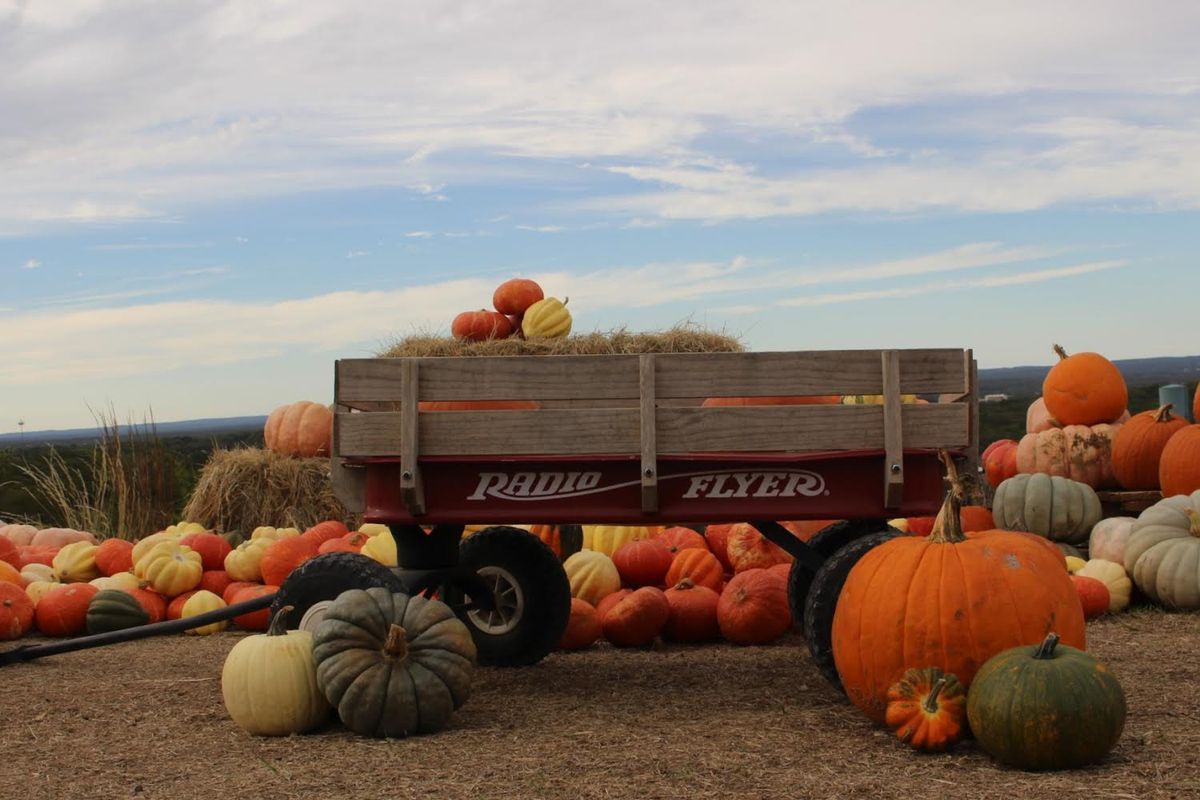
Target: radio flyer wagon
point(622, 439)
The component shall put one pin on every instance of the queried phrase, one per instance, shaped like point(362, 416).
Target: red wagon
point(623, 439)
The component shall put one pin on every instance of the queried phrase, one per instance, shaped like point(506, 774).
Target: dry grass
point(145, 720)
point(127, 490)
point(242, 488)
point(685, 338)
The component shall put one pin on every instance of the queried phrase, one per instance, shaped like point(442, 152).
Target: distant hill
point(192, 427)
point(1137, 372)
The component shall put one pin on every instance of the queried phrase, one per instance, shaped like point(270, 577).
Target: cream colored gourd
point(1058, 508)
point(19, 535)
point(270, 533)
point(381, 548)
point(202, 602)
point(1163, 552)
point(32, 573)
point(373, 528)
point(1114, 577)
point(608, 539)
point(592, 575)
point(38, 589)
point(170, 568)
point(144, 546)
point(125, 581)
point(1074, 564)
point(243, 563)
point(76, 563)
point(1108, 538)
point(546, 319)
point(269, 682)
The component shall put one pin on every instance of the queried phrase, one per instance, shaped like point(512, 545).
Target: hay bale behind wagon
point(242, 488)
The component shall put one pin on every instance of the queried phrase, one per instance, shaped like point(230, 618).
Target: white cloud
point(357, 254)
point(133, 109)
point(54, 345)
point(31, 263)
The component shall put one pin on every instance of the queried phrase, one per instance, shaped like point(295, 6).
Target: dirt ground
point(145, 720)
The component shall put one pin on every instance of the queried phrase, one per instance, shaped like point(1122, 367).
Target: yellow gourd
point(243, 563)
point(592, 575)
point(608, 538)
point(381, 548)
point(546, 319)
point(202, 602)
point(170, 568)
point(76, 563)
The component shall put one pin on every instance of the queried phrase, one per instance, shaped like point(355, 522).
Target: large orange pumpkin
point(301, 429)
point(1084, 389)
point(753, 608)
point(1179, 467)
point(1082, 453)
point(951, 601)
point(1139, 445)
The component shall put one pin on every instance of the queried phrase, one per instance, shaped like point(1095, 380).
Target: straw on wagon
point(685, 338)
point(243, 488)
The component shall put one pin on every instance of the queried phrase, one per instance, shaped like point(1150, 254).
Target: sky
point(204, 203)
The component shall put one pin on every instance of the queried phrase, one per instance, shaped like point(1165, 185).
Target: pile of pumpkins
point(1081, 430)
point(521, 309)
point(78, 585)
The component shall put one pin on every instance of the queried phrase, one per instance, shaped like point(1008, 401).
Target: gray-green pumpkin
point(391, 664)
point(1047, 706)
point(1058, 508)
point(1162, 554)
point(114, 610)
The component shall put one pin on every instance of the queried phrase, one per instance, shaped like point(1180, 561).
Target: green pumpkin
point(1046, 707)
point(114, 610)
point(1058, 508)
point(392, 665)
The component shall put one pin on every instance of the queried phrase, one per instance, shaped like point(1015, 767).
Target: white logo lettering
point(527, 486)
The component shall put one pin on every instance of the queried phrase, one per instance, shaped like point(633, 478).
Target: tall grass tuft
point(128, 490)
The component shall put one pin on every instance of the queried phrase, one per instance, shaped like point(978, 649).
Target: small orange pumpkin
point(303, 429)
point(63, 611)
point(999, 461)
point(699, 566)
point(284, 555)
point(211, 547)
point(716, 536)
point(749, 549)
point(113, 556)
point(927, 709)
point(481, 325)
point(638, 618)
point(1084, 389)
point(16, 612)
point(679, 538)
point(753, 608)
point(693, 613)
point(643, 562)
point(324, 531)
point(1093, 595)
point(515, 295)
point(583, 627)
point(8, 553)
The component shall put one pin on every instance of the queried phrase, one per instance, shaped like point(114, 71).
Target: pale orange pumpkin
point(1179, 467)
point(1139, 444)
point(1082, 453)
point(303, 429)
point(749, 549)
point(1084, 389)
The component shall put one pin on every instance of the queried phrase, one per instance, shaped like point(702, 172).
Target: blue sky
point(203, 204)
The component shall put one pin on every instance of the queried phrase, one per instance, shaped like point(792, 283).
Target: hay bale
point(242, 488)
point(685, 338)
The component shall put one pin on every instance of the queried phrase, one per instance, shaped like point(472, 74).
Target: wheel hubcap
point(312, 618)
point(507, 597)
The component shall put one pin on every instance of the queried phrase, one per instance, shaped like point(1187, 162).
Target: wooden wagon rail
point(648, 406)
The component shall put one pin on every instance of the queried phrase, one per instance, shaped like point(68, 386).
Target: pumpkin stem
point(931, 700)
point(396, 644)
point(278, 626)
point(947, 528)
point(1060, 352)
point(1164, 413)
point(1046, 648)
point(686, 583)
point(1193, 517)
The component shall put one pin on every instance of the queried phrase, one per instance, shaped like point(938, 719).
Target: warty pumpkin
point(1058, 508)
point(1163, 552)
point(1046, 706)
point(1138, 446)
point(393, 665)
point(269, 682)
point(1179, 465)
point(1084, 389)
point(592, 575)
point(749, 549)
point(927, 709)
point(1082, 453)
point(947, 601)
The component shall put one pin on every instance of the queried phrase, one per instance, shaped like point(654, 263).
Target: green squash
point(1058, 508)
point(393, 665)
point(114, 610)
point(1046, 707)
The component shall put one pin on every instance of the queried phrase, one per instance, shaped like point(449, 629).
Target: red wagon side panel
point(607, 489)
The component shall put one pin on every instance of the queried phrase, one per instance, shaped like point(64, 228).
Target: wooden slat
point(678, 375)
point(411, 487)
point(648, 435)
point(679, 430)
point(893, 434)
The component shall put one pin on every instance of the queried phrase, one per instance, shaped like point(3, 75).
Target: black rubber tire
point(543, 584)
point(822, 598)
point(826, 542)
point(325, 577)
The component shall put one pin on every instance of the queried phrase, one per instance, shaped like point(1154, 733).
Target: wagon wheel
point(826, 542)
point(316, 583)
point(531, 597)
point(822, 599)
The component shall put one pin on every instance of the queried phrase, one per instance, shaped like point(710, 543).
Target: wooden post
point(349, 483)
point(649, 433)
point(411, 488)
point(893, 436)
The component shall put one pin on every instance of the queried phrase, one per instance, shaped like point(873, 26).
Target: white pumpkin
point(1108, 538)
point(1163, 552)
